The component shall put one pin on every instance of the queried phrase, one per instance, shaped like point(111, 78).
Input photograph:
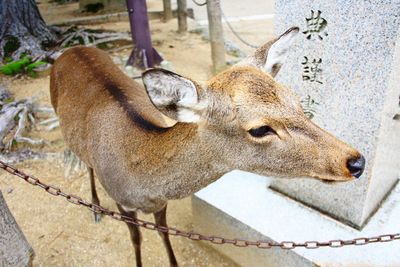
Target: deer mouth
point(328, 181)
point(333, 181)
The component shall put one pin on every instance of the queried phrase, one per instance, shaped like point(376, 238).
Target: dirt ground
point(63, 234)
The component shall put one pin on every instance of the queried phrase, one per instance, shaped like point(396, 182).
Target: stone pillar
point(343, 68)
point(349, 84)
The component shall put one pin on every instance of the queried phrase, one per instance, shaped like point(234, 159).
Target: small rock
point(166, 65)
point(233, 50)
point(129, 70)
point(232, 62)
point(198, 30)
point(117, 60)
point(4, 94)
point(43, 70)
point(157, 42)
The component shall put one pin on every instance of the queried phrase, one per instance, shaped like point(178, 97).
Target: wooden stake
point(182, 16)
point(167, 10)
point(216, 35)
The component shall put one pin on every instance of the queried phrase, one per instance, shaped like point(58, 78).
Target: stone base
point(239, 206)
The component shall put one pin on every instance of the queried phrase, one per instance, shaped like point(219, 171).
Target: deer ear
point(272, 55)
point(277, 53)
point(174, 95)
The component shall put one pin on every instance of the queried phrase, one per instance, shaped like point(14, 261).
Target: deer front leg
point(135, 234)
point(95, 198)
point(161, 219)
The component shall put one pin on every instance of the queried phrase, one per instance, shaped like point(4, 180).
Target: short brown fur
point(143, 158)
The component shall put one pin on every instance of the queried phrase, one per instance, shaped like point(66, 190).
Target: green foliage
point(102, 46)
point(11, 45)
point(15, 67)
point(31, 67)
point(93, 8)
point(24, 65)
point(8, 59)
point(5, 101)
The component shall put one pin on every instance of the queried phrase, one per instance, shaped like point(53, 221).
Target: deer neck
point(193, 163)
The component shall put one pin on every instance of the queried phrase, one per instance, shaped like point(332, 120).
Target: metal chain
point(228, 24)
point(199, 4)
point(192, 235)
point(235, 33)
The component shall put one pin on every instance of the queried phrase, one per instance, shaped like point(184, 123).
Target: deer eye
point(261, 131)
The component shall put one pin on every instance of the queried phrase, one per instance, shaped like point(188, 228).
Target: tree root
point(72, 164)
point(7, 122)
point(22, 120)
point(51, 123)
point(80, 36)
point(15, 118)
point(21, 155)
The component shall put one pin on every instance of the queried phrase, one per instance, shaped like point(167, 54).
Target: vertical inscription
point(309, 106)
point(312, 71)
point(315, 26)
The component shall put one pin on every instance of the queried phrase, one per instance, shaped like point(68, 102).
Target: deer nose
point(356, 166)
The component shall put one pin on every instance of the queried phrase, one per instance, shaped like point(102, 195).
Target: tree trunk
point(22, 29)
point(14, 249)
point(143, 55)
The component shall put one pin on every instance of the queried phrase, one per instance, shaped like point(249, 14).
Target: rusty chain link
point(191, 235)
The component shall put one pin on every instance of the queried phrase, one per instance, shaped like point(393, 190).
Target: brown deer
point(175, 136)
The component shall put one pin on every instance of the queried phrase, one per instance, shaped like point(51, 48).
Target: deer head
point(248, 121)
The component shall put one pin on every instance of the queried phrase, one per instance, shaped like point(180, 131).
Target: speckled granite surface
point(345, 70)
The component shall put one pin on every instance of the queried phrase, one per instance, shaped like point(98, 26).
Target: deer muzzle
point(356, 166)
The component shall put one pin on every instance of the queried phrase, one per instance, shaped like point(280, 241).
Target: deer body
point(136, 161)
point(174, 137)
